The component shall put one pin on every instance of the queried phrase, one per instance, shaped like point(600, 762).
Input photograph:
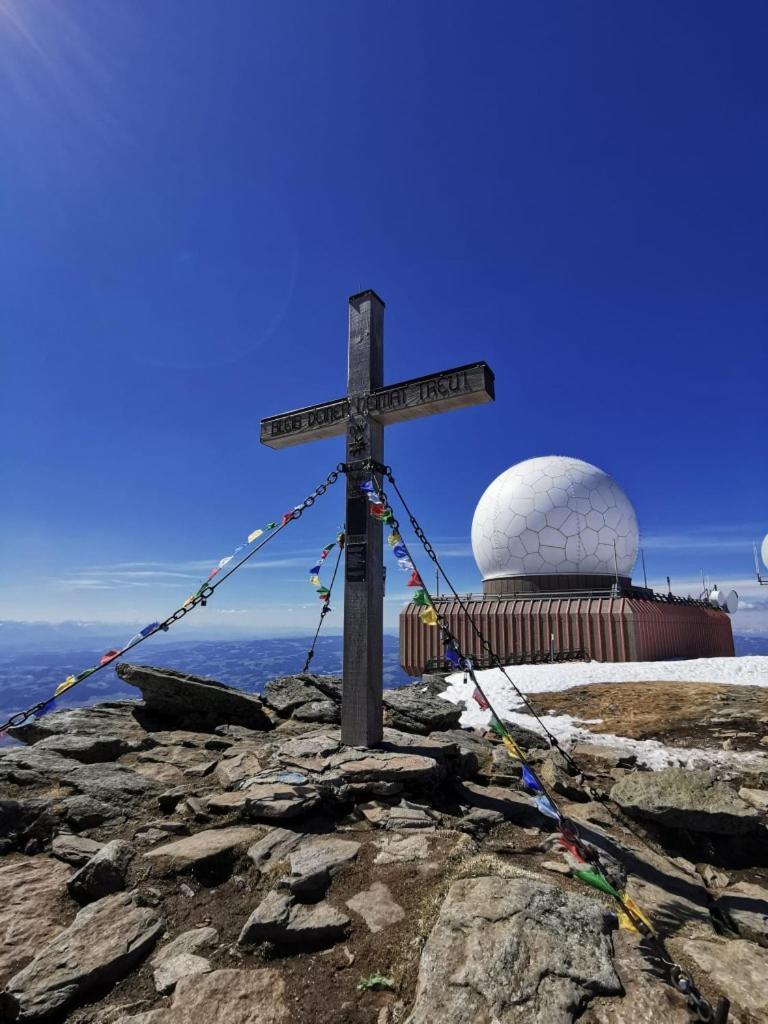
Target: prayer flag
point(400, 551)
point(315, 580)
point(63, 687)
point(133, 640)
point(406, 564)
point(213, 572)
point(341, 539)
point(626, 919)
point(314, 570)
point(149, 629)
point(512, 748)
point(480, 700)
point(428, 616)
point(597, 882)
point(496, 726)
point(530, 780)
point(394, 538)
point(377, 508)
point(420, 597)
point(286, 518)
point(49, 705)
point(452, 655)
point(84, 674)
point(415, 580)
point(367, 486)
point(252, 536)
point(225, 561)
point(374, 496)
point(238, 548)
point(270, 526)
point(108, 656)
point(545, 805)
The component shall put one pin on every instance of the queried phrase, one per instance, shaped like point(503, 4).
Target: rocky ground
point(203, 854)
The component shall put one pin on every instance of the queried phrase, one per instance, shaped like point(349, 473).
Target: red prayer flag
point(415, 580)
point(213, 572)
point(480, 700)
point(286, 518)
point(377, 509)
point(109, 656)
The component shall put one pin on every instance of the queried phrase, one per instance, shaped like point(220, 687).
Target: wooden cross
point(368, 407)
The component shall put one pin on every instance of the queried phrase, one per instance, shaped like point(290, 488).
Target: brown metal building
point(621, 623)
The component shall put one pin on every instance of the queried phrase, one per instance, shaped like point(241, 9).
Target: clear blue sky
point(189, 192)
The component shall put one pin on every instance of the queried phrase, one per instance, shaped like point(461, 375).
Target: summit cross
point(369, 406)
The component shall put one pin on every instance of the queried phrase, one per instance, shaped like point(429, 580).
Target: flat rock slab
point(72, 849)
point(745, 906)
point(280, 919)
point(315, 863)
point(90, 748)
point(397, 849)
point(735, 968)
point(202, 849)
point(224, 997)
point(191, 941)
point(171, 971)
point(112, 718)
point(192, 700)
point(687, 799)
point(274, 846)
point(31, 910)
point(276, 801)
point(237, 766)
point(513, 950)
point(376, 907)
point(110, 784)
point(288, 693)
point(104, 942)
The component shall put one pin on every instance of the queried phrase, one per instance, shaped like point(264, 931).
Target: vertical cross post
point(361, 715)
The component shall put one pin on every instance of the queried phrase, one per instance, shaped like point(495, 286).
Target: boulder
point(90, 748)
point(757, 798)
point(224, 997)
point(112, 718)
point(105, 941)
point(376, 907)
point(288, 693)
point(513, 950)
point(316, 861)
point(103, 874)
point(28, 766)
point(210, 848)
point(171, 971)
point(111, 784)
point(281, 920)
point(236, 767)
point(191, 701)
point(273, 800)
point(685, 798)
point(191, 941)
point(514, 806)
point(23, 822)
point(745, 907)
point(413, 708)
point(84, 812)
point(75, 850)
point(32, 910)
point(321, 711)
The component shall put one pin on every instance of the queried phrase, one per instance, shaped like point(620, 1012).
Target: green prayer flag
point(84, 674)
point(597, 882)
point(497, 727)
point(270, 526)
point(420, 597)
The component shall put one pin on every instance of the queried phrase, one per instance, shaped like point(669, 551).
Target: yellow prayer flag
point(315, 581)
point(394, 538)
point(428, 616)
point(189, 600)
point(252, 536)
point(512, 748)
point(626, 922)
point(63, 687)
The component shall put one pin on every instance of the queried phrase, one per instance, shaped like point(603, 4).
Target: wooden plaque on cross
point(368, 407)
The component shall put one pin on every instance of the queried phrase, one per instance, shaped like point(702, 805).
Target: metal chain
point(201, 598)
point(678, 977)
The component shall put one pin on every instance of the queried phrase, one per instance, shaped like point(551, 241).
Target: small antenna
point(669, 586)
point(645, 575)
point(616, 568)
point(437, 583)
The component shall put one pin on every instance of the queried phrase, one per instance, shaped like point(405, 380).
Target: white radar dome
point(764, 551)
point(554, 515)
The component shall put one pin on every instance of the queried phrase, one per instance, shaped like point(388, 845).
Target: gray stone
point(226, 803)
point(202, 850)
point(84, 812)
point(757, 798)
point(315, 863)
point(605, 756)
point(183, 965)
point(514, 807)
point(513, 950)
point(277, 801)
point(191, 700)
point(191, 941)
point(28, 766)
point(238, 732)
point(397, 849)
point(286, 694)
point(745, 907)
point(405, 818)
point(25, 822)
point(274, 846)
point(76, 850)
point(480, 820)
point(684, 798)
point(376, 907)
point(91, 748)
point(557, 779)
point(323, 711)
point(236, 767)
point(736, 968)
point(103, 874)
point(32, 910)
point(224, 997)
point(413, 709)
point(105, 941)
point(110, 784)
point(281, 920)
point(110, 718)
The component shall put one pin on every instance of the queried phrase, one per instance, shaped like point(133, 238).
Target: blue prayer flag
point(546, 806)
point(530, 779)
point(400, 551)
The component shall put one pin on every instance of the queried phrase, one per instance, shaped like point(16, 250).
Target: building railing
point(516, 658)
